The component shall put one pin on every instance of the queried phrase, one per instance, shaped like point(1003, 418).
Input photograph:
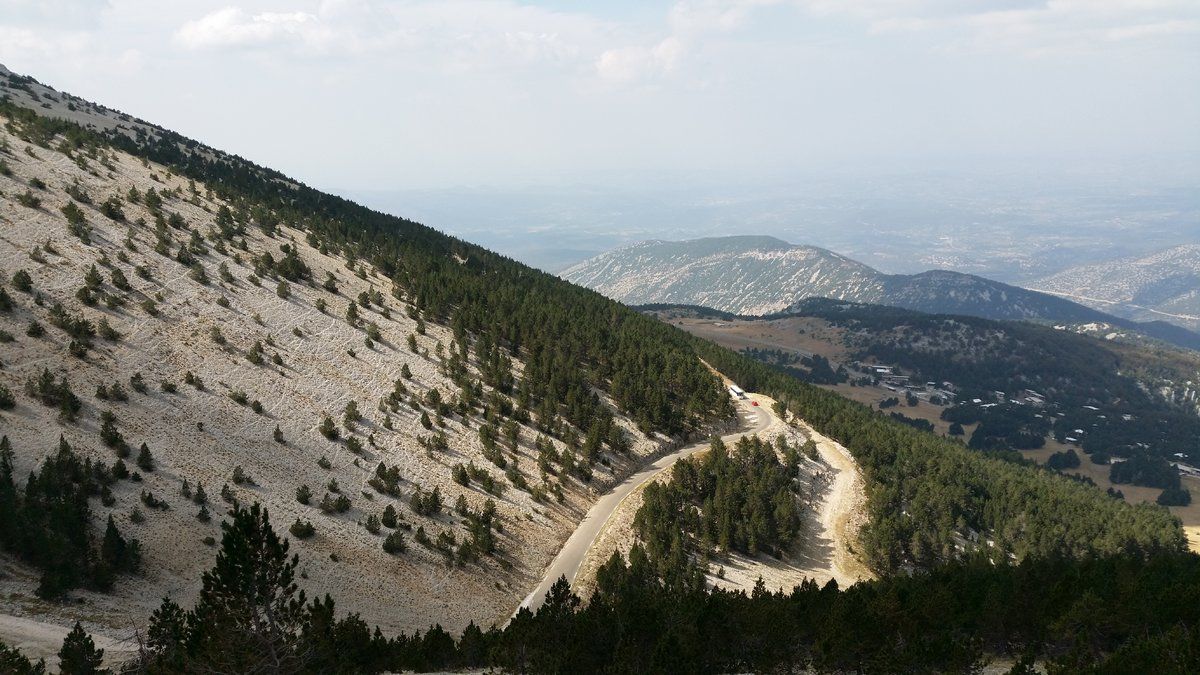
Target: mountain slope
point(761, 275)
point(1161, 286)
point(126, 247)
point(260, 337)
point(742, 274)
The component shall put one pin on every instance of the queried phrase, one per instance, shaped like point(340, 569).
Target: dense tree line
point(1002, 426)
point(813, 368)
point(48, 524)
point(1142, 469)
point(741, 501)
point(1116, 614)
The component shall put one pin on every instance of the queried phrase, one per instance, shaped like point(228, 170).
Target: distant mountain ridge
point(1164, 285)
point(755, 275)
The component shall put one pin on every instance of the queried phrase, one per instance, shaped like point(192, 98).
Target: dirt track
point(573, 552)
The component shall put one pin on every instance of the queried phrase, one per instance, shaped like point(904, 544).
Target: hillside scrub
point(570, 339)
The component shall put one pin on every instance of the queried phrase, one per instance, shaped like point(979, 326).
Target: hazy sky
point(378, 94)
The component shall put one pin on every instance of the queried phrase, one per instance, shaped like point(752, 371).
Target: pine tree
point(78, 655)
point(10, 521)
point(167, 635)
point(145, 460)
point(250, 612)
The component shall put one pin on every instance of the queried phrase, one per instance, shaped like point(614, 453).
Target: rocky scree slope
point(222, 337)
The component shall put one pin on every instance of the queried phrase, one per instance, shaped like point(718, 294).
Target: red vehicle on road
point(753, 402)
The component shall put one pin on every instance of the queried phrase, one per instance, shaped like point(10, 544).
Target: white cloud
point(689, 23)
point(1024, 27)
point(630, 64)
point(234, 27)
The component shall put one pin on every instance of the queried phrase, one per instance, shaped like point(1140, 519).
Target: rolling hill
point(753, 275)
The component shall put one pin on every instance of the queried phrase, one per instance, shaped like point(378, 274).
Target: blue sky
point(379, 94)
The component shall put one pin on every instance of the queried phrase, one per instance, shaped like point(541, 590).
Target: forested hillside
point(1126, 416)
point(1126, 613)
point(932, 499)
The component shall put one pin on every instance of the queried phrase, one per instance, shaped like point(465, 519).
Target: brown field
point(1189, 515)
point(804, 334)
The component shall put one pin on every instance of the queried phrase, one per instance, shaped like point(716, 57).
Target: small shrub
point(198, 274)
point(29, 200)
point(394, 543)
point(240, 477)
point(105, 330)
point(111, 208)
point(328, 428)
point(302, 529)
point(22, 281)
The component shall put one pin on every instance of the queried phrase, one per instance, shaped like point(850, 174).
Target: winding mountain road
point(573, 552)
